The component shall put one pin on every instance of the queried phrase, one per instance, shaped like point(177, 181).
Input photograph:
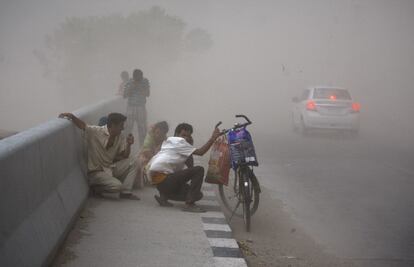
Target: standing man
point(137, 90)
point(166, 169)
point(109, 168)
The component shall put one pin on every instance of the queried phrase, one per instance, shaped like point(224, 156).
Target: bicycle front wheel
point(230, 196)
point(245, 188)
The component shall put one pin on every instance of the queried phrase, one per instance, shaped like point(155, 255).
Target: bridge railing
point(43, 186)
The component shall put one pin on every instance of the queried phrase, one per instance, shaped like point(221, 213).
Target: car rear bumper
point(343, 122)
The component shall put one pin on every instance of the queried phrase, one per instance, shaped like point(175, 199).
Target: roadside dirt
point(79, 229)
point(276, 240)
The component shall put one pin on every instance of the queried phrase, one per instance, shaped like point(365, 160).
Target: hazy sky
point(264, 53)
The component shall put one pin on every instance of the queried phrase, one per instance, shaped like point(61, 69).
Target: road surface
point(332, 200)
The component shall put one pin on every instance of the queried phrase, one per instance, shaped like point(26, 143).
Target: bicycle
point(243, 187)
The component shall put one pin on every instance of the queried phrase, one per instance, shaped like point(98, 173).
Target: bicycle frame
point(237, 185)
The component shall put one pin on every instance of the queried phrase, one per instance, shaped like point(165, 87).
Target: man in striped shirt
point(136, 91)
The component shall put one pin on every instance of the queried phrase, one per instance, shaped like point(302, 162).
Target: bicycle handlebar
point(244, 117)
point(237, 126)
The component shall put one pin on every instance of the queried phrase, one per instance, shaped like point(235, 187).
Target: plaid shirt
point(137, 92)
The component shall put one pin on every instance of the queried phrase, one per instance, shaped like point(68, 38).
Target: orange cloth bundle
point(219, 163)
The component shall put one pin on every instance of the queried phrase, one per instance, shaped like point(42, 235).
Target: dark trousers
point(175, 186)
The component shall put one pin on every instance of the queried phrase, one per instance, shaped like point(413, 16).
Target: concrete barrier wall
point(43, 186)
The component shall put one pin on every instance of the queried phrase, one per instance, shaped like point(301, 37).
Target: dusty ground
point(275, 240)
point(80, 229)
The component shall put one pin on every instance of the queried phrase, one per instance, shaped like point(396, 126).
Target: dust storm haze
point(262, 54)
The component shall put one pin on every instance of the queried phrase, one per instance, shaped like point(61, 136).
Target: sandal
point(193, 208)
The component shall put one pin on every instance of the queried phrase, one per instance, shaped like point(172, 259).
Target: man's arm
point(125, 154)
point(78, 122)
point(190, 162)
point(146, 87)
point(202, 150)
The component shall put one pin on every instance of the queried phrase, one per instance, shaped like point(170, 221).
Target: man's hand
point(202, 150)
point(79, 123)
point(190, 162)
point(216, 133)
point(66, 115)
point(130, 139)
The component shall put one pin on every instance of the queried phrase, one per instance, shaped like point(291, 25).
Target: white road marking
point(217, 227)
point(223, 242)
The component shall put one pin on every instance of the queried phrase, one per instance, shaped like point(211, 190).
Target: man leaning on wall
point(110, 170)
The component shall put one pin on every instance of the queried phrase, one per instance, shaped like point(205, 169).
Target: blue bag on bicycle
point(241, 148)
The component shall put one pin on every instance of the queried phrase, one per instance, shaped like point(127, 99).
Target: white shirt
point(172, 156)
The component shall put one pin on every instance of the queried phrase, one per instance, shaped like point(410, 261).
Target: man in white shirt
point(166, 169)
point(110, 170)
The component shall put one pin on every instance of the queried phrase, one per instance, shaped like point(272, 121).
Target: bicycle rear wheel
point(230, 196)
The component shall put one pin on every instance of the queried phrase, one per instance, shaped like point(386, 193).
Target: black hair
point(183, 126)
point(137, 75)
point(115, 118)
point(103, 121)
point(162, 125)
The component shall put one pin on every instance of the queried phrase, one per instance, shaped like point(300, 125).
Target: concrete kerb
point(34, 205)
point(43, 186)
point(226, 251)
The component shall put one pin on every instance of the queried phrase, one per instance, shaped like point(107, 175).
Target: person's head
point(124, 76)
point(115, 123)
point(160, 131)
point(185, 131)
point(137, 75)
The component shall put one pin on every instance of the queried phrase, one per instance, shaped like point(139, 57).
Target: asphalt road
point(353, 199)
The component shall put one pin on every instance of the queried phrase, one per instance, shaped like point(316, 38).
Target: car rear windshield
point(329, 93)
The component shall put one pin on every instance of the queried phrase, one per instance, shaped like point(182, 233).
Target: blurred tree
point(198, 40)
point(85, 52)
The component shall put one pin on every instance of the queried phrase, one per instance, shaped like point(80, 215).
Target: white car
point(325, 108)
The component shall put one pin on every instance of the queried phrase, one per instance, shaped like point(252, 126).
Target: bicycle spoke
point(234, 210)
point(232, 197)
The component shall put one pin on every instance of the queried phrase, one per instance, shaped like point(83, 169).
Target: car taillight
point(356, 107)
point(332, 97)
point(310, 105)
